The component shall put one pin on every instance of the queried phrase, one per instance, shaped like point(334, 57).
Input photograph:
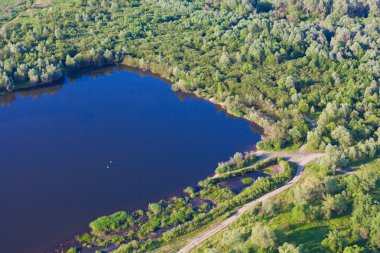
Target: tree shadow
point(310, 237)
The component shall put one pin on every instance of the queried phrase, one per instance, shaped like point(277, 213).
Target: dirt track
point(301, 158)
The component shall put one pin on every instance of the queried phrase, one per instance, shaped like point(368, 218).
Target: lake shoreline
point(138, 70)
point(72, 242)
point(195, 93)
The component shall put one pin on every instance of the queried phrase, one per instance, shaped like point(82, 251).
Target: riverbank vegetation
point(167, 220)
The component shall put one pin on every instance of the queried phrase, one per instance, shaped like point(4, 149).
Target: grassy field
point(310, 235)
point(9, 9)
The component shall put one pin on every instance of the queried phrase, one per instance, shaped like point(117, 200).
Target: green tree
point(301, 211)
point(375, 231)
point(288, 248)
point(225, 59)
point(155, 208)
point(238, 159)
point(334, 204)
point(263, 237)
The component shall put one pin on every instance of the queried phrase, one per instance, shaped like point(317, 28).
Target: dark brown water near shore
point(58, 142)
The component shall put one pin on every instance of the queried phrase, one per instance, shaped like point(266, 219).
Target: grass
point(9, 9)
point(313, 116)
point(309, 234)
point(6, 3)
point(175, 246)
point(374, 163)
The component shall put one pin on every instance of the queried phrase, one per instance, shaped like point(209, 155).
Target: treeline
point(259, 166)
point(277, 63)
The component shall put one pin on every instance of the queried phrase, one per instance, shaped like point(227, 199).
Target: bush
point(105, 224)
point(247, 180)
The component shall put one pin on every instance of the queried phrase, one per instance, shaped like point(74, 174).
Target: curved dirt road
point(301, 158)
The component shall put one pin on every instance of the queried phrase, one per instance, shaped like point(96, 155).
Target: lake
point(99, 142)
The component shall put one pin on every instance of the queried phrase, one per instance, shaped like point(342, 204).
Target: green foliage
point(352, 225)
point(261, 165)
point(334, 204)
point(236, 162)
point(270, 62)
point(247, 180)
point(155, 208)
point(334, 241)
point(288, 248)
point(302, 211)
point(107, 223)
point(73, 250)
point(189, 190)
point(264, 237)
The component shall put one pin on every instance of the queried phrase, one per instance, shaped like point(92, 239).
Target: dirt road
point(301, 158)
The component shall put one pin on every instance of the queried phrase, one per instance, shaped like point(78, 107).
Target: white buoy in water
point(108, 167)
point(110, 161)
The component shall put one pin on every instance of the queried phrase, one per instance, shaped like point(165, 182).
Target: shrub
point(247, 180)
point(105, 224)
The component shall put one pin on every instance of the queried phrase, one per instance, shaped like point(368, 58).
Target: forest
point(306, 71)
point(285, 65)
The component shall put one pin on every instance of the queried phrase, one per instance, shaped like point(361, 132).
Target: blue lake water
point(57, 144)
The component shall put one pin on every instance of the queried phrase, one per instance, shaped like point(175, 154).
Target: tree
point(364, 211)
point(313, 140)
point(232, 236)
point(6, 82)
point(288, 248)
point(334, 241)
point(331, 185)
point(189, 190)
point(33, 76)
point(290, 82)
point(296, 135)
point(29, 3)
point(334, 204)
point(107, 223)
point(21, 73)
point(263, 236)
point(311, 188)
point(375, 231)
point(73, 250)
point(155, 208)
point(301, 211)
point(303, 106)
point(58, 32)
point(238, 159)
point(342, 135)
point(224, 59)
point(51, 73)
point(354, 249)
point(70, 62)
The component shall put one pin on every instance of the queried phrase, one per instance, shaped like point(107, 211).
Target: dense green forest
point(279, 64)
point(306, 71)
